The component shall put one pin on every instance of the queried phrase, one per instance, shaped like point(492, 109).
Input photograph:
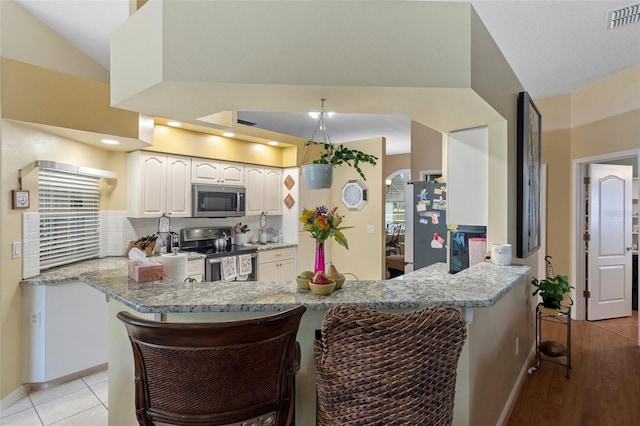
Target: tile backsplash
point(30, 244)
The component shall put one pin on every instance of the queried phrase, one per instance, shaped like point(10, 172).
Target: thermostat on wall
point(354, 195)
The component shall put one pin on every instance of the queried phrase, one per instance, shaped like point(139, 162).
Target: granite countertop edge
point(480, 286)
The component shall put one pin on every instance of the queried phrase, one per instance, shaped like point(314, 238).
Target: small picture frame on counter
point(20, 199)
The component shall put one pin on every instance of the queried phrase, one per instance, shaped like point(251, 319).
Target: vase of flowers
point(323, 223)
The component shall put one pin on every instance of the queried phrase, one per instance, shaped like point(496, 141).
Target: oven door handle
point(219, 259)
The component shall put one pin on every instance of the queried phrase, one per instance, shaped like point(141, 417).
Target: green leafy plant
point(552, 290)
point(339, 155)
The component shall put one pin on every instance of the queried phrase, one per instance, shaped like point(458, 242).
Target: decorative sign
point(164, 223)
point(289, 201)
point(289, 182)
point(20, 199)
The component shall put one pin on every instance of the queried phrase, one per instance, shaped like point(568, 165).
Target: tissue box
point(143, 272)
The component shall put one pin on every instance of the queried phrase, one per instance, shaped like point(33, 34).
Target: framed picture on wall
point(529, 161)
point(20, 199)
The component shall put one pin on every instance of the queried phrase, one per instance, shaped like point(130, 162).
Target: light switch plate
point(16, 250)
point(370, 229)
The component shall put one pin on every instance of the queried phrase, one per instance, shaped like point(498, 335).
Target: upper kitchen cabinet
point(264, 190)
point(216, 172)
point(157, 184)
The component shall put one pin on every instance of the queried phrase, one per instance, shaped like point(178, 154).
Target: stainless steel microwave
point(217, 201)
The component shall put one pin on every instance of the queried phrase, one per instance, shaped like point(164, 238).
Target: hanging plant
point(321, 177)
point(339, 155)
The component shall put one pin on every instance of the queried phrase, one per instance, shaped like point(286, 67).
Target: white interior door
point(609, 259)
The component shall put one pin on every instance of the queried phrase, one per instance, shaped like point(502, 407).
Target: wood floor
point(604, 388)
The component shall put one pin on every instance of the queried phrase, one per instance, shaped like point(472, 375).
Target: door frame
point(578, 167)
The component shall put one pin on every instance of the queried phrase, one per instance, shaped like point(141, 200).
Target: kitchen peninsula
point(489, 296)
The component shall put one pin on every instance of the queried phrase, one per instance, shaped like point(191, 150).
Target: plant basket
point(318, 176)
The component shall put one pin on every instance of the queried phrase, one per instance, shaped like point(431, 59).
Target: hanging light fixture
point(320, 174)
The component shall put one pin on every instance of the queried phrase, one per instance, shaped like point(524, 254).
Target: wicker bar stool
point(215, 373)
point(375, 368)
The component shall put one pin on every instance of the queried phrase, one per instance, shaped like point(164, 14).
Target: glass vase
point(319, 257)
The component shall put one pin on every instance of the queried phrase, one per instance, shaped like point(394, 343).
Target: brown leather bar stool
point(375, 368)
point(215, 373)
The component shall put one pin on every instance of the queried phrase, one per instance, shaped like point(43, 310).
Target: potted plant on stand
point(319, 174)
point(553, 292)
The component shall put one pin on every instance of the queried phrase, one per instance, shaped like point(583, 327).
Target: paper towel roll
point(501, 254)
point(174, 266)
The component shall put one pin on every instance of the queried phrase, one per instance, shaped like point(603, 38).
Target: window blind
point(69, 207)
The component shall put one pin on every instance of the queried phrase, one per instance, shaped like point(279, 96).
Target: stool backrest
point(375, 368)
point(215, 373)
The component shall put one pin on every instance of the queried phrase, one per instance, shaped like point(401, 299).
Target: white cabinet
point(277, 264)
point(65, 330)
point(216, 172)
point(157, 184)
point(195, 269)
point(264, 190)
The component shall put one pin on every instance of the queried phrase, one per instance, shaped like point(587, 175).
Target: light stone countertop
point(480, 286)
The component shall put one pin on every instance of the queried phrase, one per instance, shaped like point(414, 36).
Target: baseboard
point(516, 387)
point(14, 397)
point(67, 378)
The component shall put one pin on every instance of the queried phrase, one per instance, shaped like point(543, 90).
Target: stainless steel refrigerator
point(425, 224)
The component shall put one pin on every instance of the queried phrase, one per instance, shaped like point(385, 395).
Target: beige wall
point(426, 149)
point(393, 163)
point(556, 153)
point(494, 80)
point(37, 95)
point(496, 366)
point(365, 257)
point(599, 119)
point(20, 147)
point(25, 39)
point(184, 142)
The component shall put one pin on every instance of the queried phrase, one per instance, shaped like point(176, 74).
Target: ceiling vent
point(245, 122)
point(623, 16)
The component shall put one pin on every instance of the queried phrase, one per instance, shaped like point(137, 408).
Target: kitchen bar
point(484, 293)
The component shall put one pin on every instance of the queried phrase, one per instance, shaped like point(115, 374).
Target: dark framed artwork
point(529, 161)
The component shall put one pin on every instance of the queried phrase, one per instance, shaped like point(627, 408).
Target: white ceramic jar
point(501, 254)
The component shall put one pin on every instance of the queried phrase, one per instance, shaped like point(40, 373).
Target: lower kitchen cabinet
point(277, 265)
point(65, 330)
point(195, 269)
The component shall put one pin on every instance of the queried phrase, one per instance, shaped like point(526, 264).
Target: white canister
point(501, 254)
point(242, 238)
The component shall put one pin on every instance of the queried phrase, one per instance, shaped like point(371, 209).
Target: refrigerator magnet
point(435, 218)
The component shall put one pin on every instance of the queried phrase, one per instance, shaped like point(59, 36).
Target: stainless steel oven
point(204, 241)
point(213, 268)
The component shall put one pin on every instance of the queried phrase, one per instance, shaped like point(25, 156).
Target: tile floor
point(79, 402)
